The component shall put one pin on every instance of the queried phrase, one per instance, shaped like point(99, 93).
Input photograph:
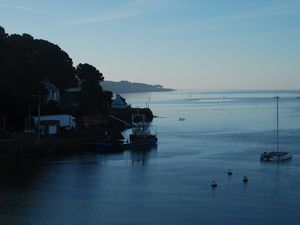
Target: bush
point(3, 133)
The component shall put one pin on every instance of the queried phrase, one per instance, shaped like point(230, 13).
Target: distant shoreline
point(123, 87)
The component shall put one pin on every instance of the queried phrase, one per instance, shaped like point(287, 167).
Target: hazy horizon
point(178, 44)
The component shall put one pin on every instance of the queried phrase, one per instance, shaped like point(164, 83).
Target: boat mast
point(277, 98)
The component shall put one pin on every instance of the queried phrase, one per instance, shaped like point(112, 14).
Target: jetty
point(53, 139)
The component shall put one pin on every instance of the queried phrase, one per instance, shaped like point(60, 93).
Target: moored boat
point(229, 172)
point(142, 134)
point(213, 184)
point(245, 179)
point(276, 156)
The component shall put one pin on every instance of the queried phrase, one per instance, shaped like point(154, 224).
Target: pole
point(39, 116)
point(29, 116)
point(4, 122)
point(277, 123)
point(39, 113)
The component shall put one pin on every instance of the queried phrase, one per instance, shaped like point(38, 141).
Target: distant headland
point(132, 87)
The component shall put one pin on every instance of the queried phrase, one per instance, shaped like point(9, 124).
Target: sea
point(201, 135)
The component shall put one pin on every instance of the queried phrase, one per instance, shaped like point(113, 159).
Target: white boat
point(276, 156)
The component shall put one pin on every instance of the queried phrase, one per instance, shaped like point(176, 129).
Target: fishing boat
point(142, 135)
point(142, 131)
point(276, 156)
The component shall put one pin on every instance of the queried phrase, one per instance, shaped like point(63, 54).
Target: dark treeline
point(25, 62)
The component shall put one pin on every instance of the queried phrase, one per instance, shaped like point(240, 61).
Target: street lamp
point(39, 112)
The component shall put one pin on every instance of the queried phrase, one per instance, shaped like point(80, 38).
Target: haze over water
point(170, 184)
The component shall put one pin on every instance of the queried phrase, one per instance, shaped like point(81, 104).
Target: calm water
point(170, 184)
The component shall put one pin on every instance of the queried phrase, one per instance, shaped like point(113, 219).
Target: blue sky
point(212, 44)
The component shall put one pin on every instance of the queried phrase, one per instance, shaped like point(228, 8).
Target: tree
point(24, 62)
point(2, 33)
point(88, 73)
point(93, 99)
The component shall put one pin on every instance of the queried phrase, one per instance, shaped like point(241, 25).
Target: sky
point(183, 44)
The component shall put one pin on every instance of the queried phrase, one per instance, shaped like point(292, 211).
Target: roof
point(119, 101)
point(49, 86)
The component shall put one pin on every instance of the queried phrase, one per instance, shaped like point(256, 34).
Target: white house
point(119, 103)
point(53, 91)
point(52, 124)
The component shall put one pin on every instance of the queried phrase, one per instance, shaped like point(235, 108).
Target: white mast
point(277, 122)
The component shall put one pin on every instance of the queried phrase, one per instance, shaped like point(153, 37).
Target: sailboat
point(276, 156)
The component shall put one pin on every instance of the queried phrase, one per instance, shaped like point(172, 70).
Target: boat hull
point(275, 156)
point(111, 146)
point(143, 140)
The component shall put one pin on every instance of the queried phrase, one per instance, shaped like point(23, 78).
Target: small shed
point(49, 127)
point(65, 121)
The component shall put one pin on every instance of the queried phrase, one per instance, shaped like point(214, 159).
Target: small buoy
point(229, 172)
point(213, 184)
point(245, 179)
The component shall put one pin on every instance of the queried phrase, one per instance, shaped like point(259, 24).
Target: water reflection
point(169, 185)
point(141, 156)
